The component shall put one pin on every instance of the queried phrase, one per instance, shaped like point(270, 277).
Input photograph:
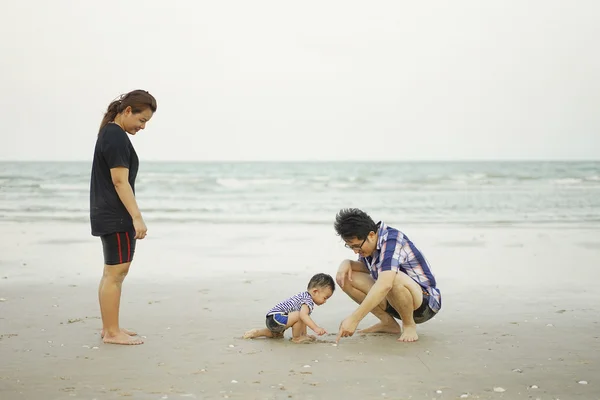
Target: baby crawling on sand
point(295, 312)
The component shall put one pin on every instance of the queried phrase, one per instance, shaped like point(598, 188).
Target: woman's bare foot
point(391, 327)
point(302, 339)
point(409, 334)
point(125, 331)
point(122, 338)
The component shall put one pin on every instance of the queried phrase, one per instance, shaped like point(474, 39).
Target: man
point(391, 278)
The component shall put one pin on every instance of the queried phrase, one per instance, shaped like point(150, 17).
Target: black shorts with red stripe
point(118, 247)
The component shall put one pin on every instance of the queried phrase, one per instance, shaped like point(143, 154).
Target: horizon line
point(330, 161)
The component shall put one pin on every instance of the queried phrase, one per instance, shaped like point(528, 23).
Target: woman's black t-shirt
point(107, 212)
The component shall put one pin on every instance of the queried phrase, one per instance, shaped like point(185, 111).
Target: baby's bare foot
point(255, 333)
point(251, 334)
point(302, 339)
point(125, 331)
point(122, 338)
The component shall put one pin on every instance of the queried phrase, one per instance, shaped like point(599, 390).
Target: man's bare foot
point(122, 338)
point(409, 334)
point(392, 327)
point(302, 339)
point(125, 331)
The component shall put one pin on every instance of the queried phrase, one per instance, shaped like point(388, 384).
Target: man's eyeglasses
point(359, 247)
point(354, 246)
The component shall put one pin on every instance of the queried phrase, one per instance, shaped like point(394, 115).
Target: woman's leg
point(124, 330)
point(110, 301)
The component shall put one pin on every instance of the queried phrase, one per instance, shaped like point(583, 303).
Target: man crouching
point(391, 278)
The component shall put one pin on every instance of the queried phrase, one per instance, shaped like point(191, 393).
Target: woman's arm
point(120, 179)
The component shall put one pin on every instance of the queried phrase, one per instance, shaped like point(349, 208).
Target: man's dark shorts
point(422, 314)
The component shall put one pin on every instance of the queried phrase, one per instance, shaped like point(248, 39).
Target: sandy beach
point(519, 319)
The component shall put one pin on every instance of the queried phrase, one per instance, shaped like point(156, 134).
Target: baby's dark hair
point(321, 281)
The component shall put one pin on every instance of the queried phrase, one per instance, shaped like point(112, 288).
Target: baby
point(295, 312)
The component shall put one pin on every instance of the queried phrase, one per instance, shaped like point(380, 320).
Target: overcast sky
point(310, 80)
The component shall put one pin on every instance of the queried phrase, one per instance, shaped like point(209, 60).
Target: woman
point(114, 213)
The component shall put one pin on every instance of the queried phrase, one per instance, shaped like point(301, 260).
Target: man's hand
point(344, 271)
point(347, 328)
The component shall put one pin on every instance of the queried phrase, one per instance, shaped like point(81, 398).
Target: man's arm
point(378, 292)
point(387, 270)
point(391, 254)
point(375, 296)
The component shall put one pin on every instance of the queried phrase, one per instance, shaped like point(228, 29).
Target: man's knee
point(360, 281)
point(406, 290)
point(348, 287)
point(399, 296)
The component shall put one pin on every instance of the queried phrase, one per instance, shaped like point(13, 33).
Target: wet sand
point(521, 311)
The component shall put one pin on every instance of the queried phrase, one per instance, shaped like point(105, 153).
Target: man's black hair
point(353, 223)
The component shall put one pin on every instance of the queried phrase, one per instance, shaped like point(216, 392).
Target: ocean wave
point(18, 177)
point(174, 186)
point(19, 185)
point(296, 193)
point(325, 220)
point(66, 187)
point(45, 218)
point(234, 183)
point(567, 181)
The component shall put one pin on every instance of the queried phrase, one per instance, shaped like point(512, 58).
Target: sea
point(456, 193)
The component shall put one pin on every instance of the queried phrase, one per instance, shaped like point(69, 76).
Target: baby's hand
point(320, 331)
